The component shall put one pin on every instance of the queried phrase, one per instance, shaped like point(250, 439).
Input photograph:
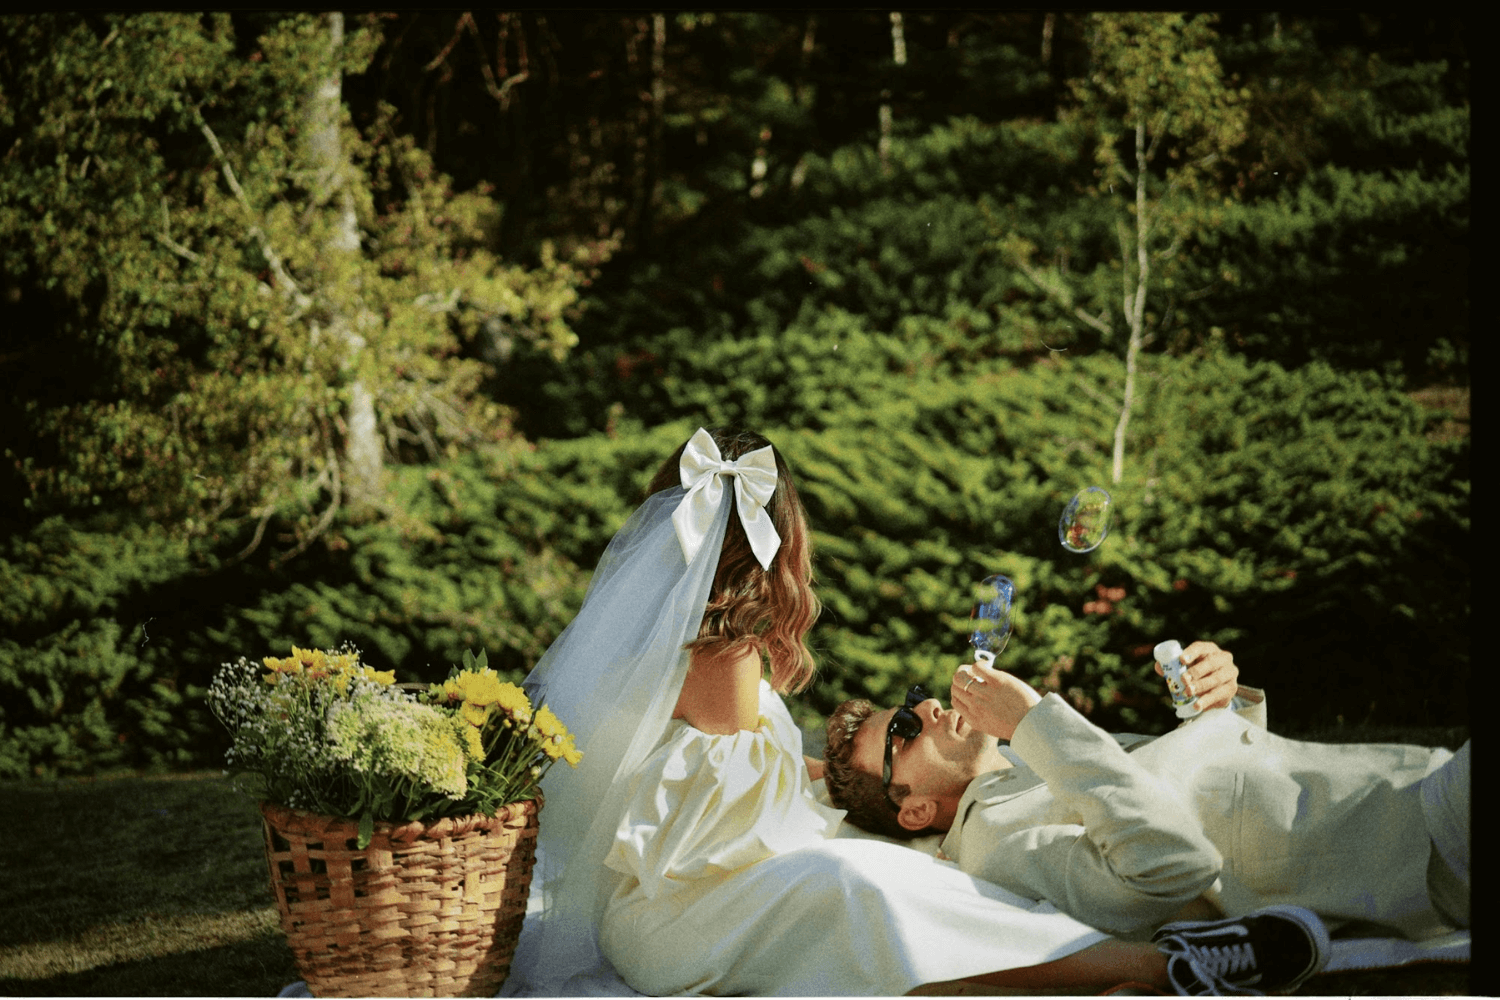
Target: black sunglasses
point(905, 724)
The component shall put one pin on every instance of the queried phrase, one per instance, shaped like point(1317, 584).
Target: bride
point(688, 851)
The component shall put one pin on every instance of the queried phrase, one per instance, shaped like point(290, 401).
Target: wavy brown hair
point(749, 607)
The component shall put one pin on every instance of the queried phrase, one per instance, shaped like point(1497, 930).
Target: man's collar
point(1014, 778)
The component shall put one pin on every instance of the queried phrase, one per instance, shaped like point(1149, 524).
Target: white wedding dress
point(736, 880)
point(736, 883)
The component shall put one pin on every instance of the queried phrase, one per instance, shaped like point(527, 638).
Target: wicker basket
point(422, 911)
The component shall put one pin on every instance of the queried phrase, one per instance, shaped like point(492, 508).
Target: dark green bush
point(1302, 519)
point(112, 629)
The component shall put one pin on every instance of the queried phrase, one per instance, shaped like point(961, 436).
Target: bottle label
point(1174, 671)
point(1169, 655)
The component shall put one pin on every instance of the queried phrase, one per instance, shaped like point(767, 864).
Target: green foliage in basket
point(322, 731)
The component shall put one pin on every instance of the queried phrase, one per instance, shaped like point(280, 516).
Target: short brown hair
point(856, 791)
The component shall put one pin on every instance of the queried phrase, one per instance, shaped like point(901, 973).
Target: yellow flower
point(341, 679)
point(291, 665)
point(549, 724)
point(514, 701)
point(312, 659)
point(560, 746)
point(555, 740)
point(477, 687)
point(480, 689)
point(338, 668)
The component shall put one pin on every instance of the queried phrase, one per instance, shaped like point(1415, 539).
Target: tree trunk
point(1134, 299)
point(363, 457)
point(649, 129)
point(658, 110)
point(887, 118)
point(809, 39)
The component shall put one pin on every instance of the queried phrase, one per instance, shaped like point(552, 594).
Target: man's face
point(941, 760)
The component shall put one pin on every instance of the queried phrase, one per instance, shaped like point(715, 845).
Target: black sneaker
point(1273, 950)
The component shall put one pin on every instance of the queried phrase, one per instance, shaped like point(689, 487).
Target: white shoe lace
point(1215, 966)
point(1226, 960)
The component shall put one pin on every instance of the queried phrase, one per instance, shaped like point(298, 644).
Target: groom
point(1219, 812)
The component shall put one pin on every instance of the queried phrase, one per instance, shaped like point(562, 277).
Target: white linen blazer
point(1219, 807)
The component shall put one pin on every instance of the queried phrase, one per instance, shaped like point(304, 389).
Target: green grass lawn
point(156, 886)
point(137, 887)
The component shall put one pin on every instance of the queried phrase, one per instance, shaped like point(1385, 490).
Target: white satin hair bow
point(754, 475)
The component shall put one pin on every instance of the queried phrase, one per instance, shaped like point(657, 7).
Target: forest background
point(372, 328)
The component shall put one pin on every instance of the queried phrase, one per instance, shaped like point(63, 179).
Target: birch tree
point(1160, 119)
point(887, 117)
point(329, 169)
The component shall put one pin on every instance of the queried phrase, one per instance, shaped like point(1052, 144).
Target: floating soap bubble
point(992, 617)
point(1085, 521)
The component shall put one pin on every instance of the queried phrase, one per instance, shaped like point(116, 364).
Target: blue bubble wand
point(992, 618)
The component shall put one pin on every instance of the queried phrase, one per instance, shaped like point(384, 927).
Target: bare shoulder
point(722, 697)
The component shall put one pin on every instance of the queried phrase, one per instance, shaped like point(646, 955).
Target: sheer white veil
point(613, 677)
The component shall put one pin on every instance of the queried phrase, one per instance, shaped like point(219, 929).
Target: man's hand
point(990, 700)
point(1211, 675)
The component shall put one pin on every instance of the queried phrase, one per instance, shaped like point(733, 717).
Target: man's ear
point(917, 812)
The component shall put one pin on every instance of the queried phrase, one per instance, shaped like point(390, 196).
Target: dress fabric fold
point(734, 882)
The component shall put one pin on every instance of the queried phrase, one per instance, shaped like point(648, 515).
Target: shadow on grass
point(247, 968)
point(122, 873)
point(117, 850)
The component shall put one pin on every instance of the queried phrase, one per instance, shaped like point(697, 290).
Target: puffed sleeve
point(706, 805)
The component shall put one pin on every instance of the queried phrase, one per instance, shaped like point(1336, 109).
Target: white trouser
point(1445, 805)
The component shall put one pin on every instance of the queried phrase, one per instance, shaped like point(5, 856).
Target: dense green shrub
point(112, 629)
point(1302, 519)
point(84, 683)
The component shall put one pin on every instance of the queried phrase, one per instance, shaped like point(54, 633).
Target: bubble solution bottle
point(1169, 655)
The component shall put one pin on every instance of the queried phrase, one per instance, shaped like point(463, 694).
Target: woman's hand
point(1211, 675)
point(990, 700)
